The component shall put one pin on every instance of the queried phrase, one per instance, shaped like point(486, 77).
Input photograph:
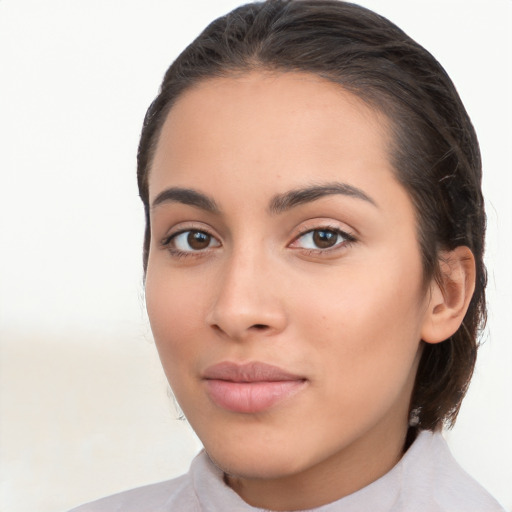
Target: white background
point(84, 406)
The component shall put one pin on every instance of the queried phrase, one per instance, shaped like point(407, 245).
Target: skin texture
point(347, 319)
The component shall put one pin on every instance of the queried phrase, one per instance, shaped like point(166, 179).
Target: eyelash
point(348, 239)
point(178, 253)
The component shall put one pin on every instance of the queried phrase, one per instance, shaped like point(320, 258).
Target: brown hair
point(435, 150)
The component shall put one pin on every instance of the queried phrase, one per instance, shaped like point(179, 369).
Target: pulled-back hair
point(434, 152)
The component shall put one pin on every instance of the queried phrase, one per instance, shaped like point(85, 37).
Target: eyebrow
point(186, 196)
point(278, 204)
point(297, 197)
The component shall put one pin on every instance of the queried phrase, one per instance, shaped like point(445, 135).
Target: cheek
point(167, 307)
point(366, 327)
point(175, 314)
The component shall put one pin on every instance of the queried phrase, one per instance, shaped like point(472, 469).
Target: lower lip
point(251, 397)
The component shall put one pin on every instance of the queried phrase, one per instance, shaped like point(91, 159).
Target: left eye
point(321, 239)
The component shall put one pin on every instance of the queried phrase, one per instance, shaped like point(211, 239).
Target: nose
point(247, 299)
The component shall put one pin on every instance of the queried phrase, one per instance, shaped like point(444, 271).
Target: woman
point(313, 259)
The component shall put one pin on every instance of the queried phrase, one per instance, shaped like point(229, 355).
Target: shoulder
point(202, 488)
point(435, 477)
point(157, 497)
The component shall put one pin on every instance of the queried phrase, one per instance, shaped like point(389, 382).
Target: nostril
point(260, 327)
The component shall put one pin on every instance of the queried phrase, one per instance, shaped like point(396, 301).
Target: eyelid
point(175, 235)
point(344, 234)
point(182, 227)
point(185, 227)
point(324, 225)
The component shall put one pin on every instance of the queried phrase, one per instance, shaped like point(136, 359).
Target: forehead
point(273, 128)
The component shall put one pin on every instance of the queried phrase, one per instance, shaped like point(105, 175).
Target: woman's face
point(284, 284)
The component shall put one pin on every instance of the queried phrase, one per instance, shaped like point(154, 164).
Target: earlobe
point(449, 299)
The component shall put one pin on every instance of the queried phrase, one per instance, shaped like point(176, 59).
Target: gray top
point(427, 478)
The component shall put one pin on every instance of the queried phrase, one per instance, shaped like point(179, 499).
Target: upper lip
point(248, 372)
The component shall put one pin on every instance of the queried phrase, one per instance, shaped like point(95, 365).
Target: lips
point(250, 388)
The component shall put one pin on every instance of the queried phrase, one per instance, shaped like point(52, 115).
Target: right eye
point(191, 240)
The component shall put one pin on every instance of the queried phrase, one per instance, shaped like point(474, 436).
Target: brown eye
point(192, 240)
point(198, 240)
point(324, 239)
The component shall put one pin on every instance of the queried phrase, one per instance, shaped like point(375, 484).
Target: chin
point(256, 463)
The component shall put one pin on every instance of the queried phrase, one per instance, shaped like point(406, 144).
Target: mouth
point(250, 388)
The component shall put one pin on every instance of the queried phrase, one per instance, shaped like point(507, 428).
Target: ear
point(449, 299)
